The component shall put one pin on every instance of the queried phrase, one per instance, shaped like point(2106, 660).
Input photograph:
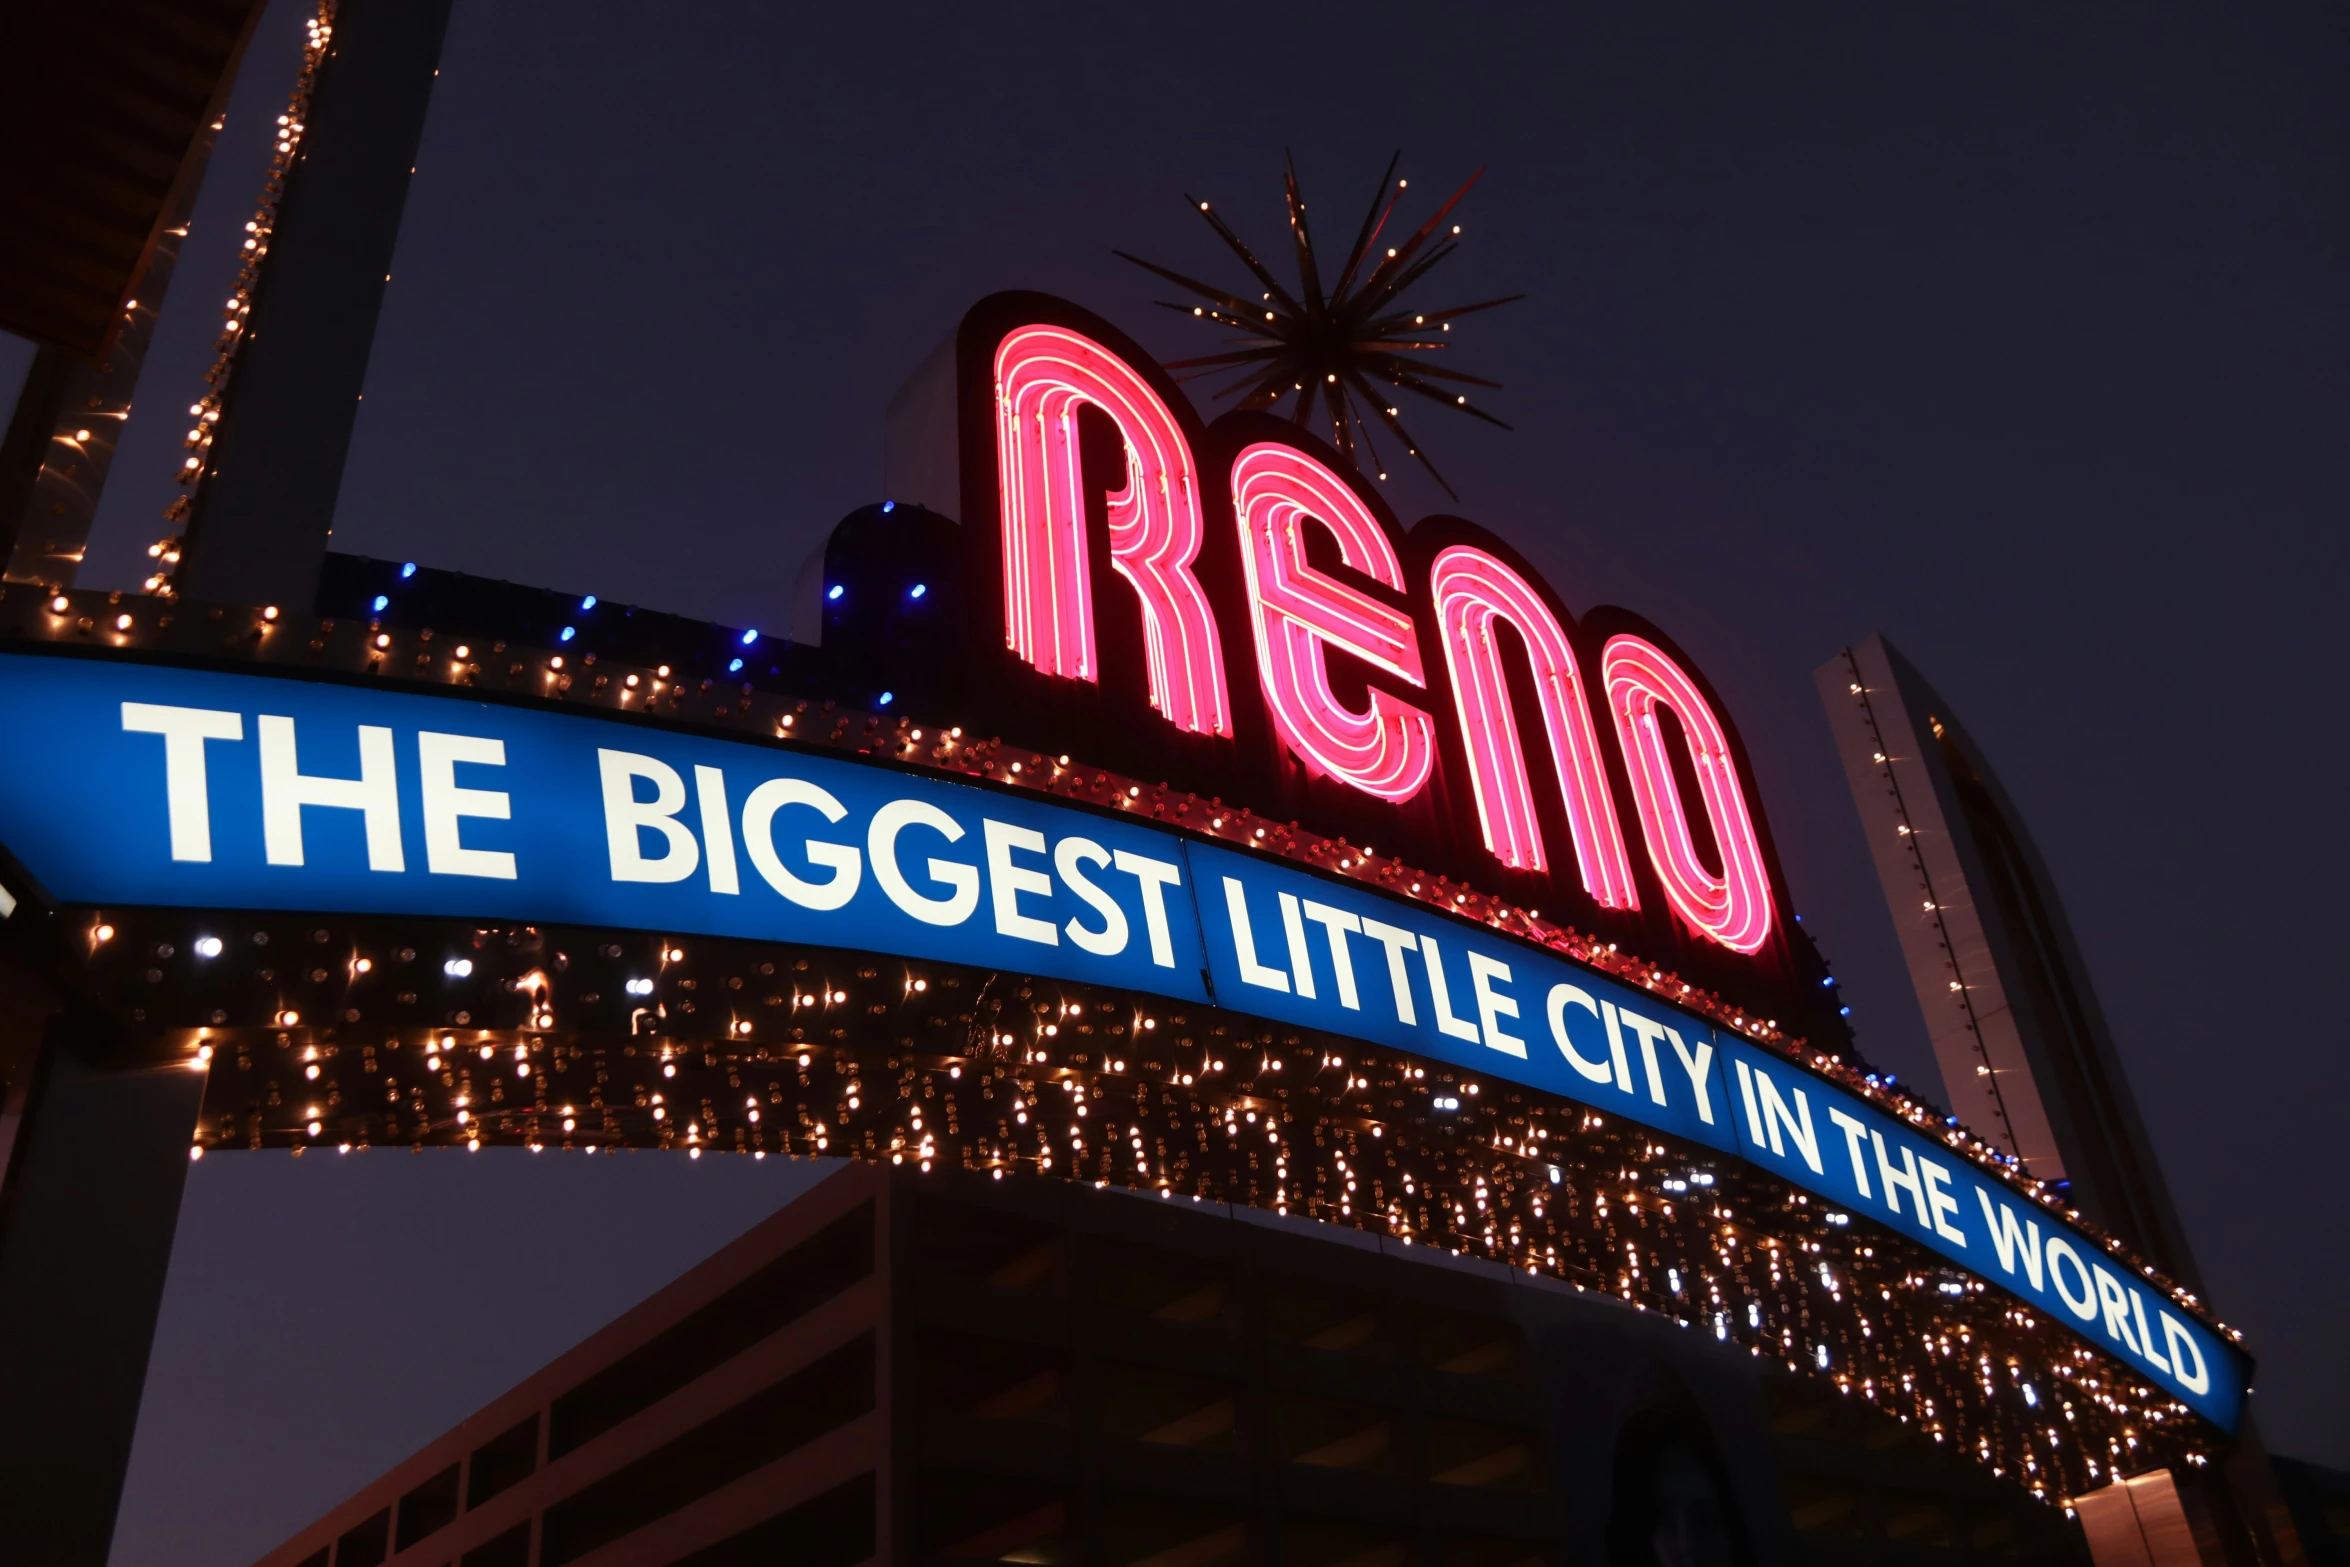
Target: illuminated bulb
point(463, 651)
point(105, 933)
point(60, 604)
point(122, 622)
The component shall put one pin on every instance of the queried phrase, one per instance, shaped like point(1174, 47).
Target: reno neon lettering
point(1439, 678)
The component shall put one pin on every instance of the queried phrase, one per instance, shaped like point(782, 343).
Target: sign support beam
point(262, 518)
point(98, 1161)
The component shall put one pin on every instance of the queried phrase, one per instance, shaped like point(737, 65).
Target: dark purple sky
point(2016, 334)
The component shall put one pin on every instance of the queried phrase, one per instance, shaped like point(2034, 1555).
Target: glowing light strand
point(318, 37)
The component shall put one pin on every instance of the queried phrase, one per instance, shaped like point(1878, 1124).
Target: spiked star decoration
point(1343, 346)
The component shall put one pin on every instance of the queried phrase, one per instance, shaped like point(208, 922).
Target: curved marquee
point(170, 786)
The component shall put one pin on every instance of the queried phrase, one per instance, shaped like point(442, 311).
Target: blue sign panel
point(178, 786)
point(1818, 1137)
point(1287, 944)
point(138, 784)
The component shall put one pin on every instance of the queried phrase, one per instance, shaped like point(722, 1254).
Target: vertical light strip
point(1734, 907)
point(1472, 590)
point(1043, 377)
point(1298, 613)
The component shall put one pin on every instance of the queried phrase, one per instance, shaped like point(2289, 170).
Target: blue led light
point(918, 590)
point(736, 665)
point(1829, 983)
point(1844, 1011)
point(408, 570)
point(888, 697)
point(569, 632)
point(382, 603)
point(750, 637)
point(587, 603)
point(887, 507)
point(835, 591)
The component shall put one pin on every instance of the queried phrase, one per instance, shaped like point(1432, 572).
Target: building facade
point(914, 1369)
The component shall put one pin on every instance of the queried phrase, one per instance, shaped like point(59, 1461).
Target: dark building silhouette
point(944, 1369)
point(2023, 1045)
point(2027, 1058)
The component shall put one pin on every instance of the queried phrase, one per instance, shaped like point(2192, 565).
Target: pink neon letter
point(1733, 908)
point(1473, 590)
point(1043, 376)
point(1388, 751)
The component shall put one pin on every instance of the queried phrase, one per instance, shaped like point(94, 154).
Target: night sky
point(2019, 337)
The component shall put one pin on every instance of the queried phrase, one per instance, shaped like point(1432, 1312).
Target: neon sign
point(1231, 609)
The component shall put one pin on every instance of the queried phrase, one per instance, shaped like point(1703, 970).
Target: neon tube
point(1472, 590)
point(1299, 613)
point(1044, 376)
point(1733, 908)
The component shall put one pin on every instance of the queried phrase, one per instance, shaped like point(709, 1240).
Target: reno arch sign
point(1229, 608)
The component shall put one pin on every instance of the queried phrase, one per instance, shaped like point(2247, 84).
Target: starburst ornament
point(1344, 353)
